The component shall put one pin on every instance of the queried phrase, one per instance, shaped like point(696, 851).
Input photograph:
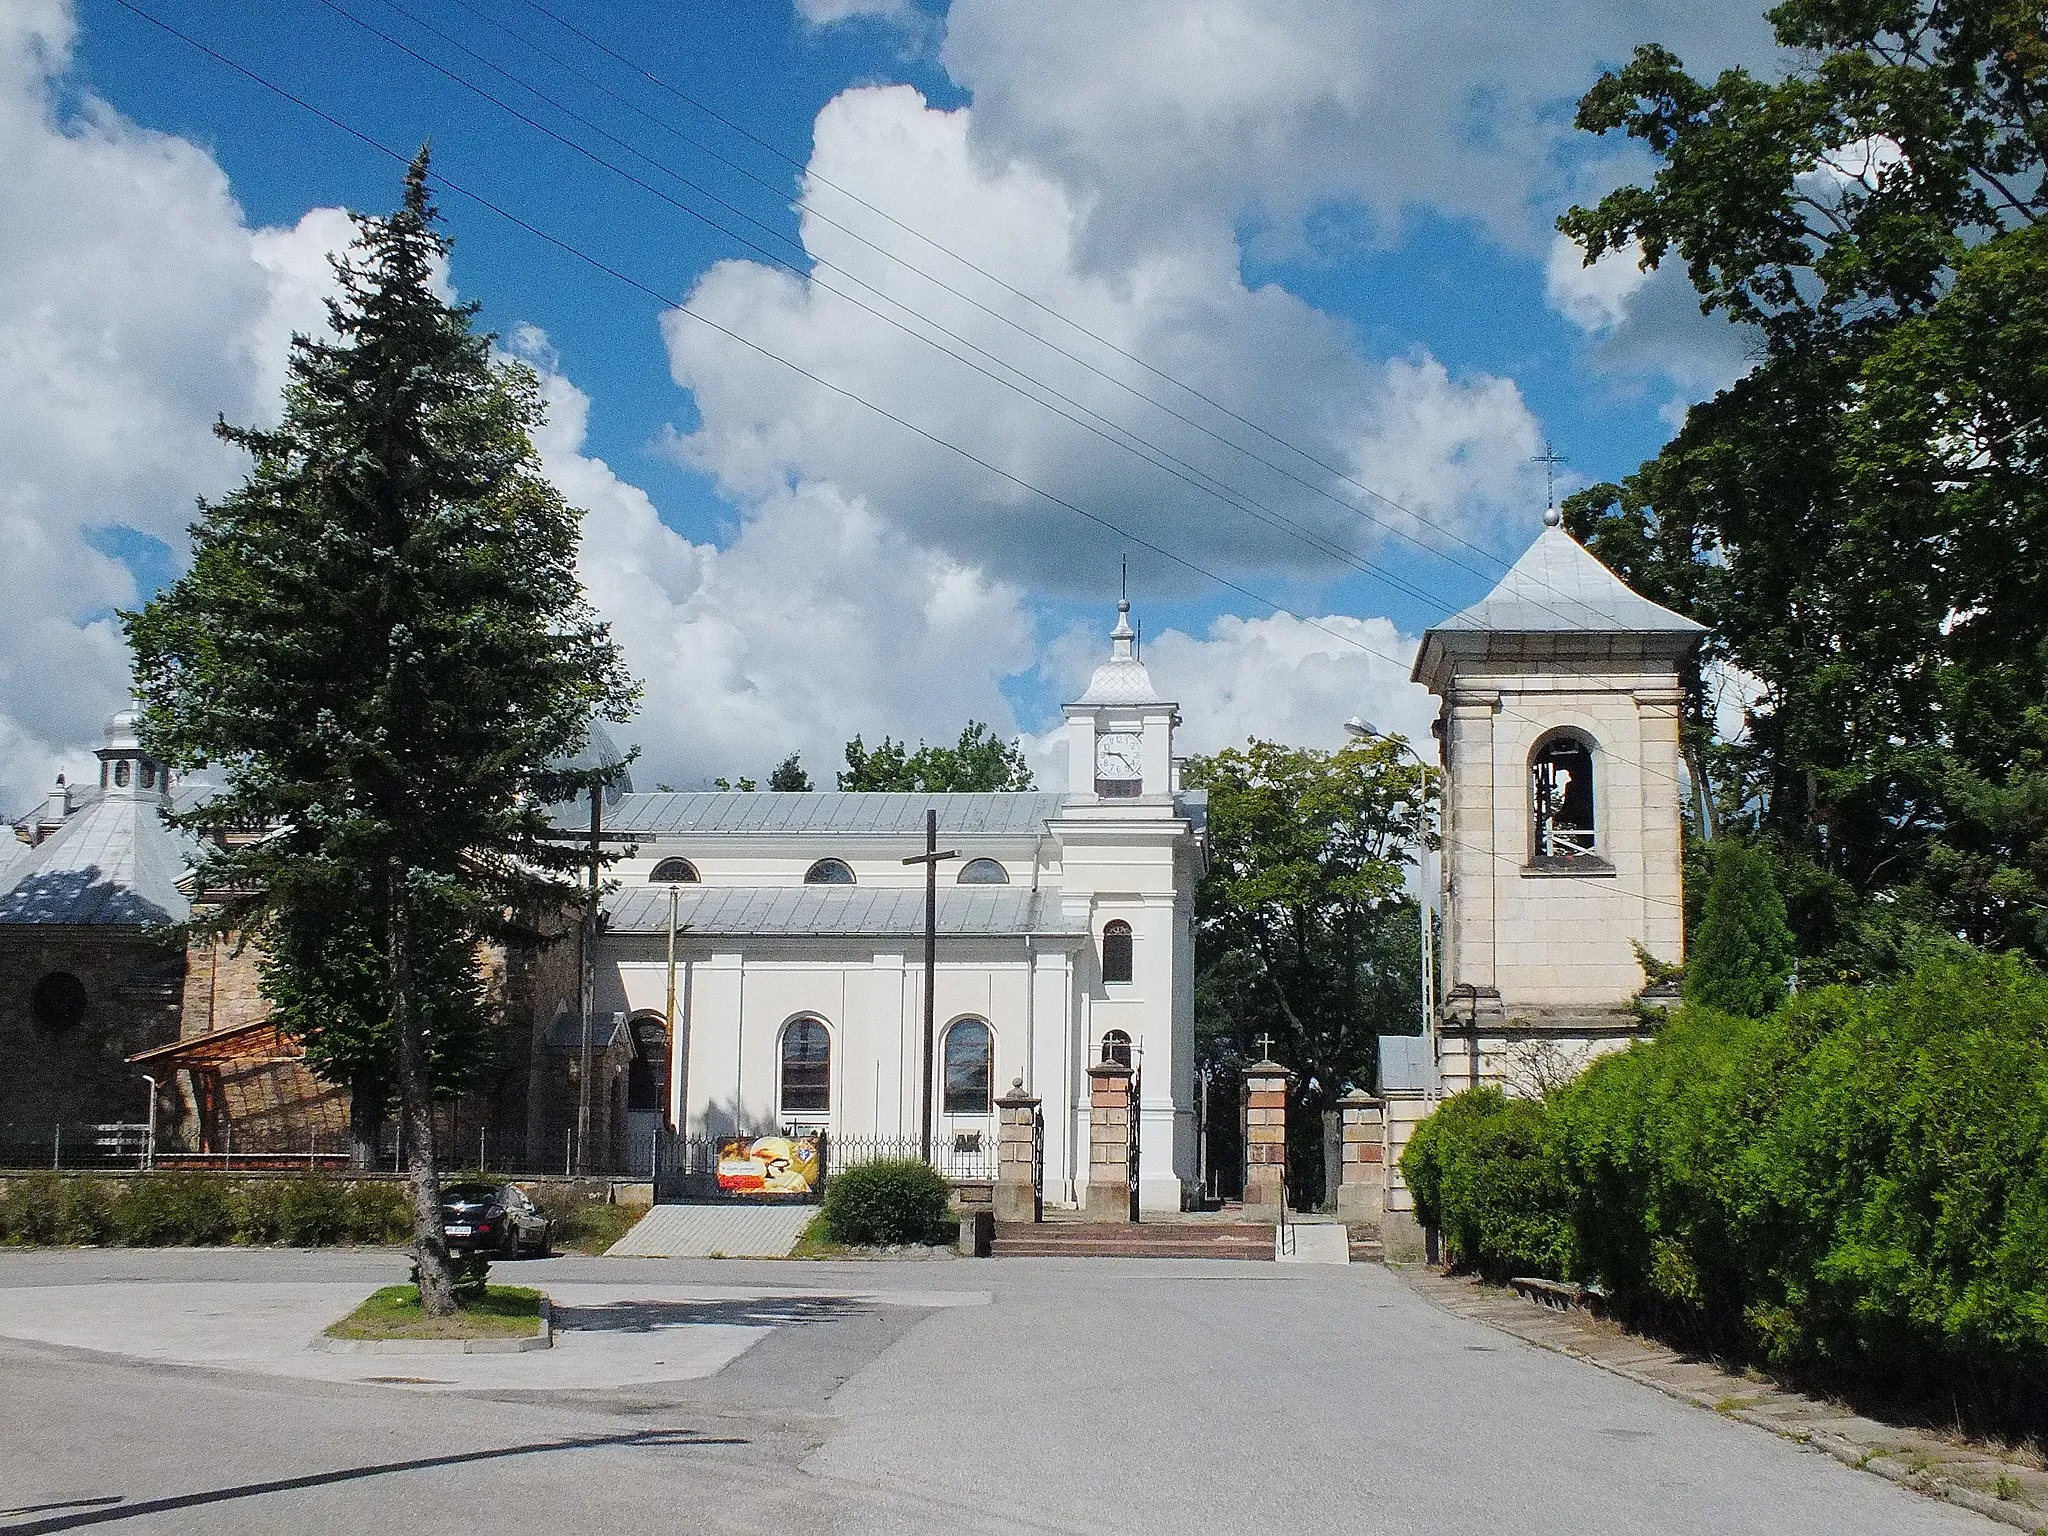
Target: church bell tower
point(1561, 827)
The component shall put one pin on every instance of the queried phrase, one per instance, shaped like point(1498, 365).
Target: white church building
point(1065, 935)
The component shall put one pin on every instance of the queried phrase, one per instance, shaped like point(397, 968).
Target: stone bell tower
point(1559, 730)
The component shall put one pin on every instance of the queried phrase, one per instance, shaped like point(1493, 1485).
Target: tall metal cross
point(1265, 1047)
point(1549, 458)
point(930, 860)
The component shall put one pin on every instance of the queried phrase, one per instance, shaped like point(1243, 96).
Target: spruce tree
point(1742, 954)
point(382, 646)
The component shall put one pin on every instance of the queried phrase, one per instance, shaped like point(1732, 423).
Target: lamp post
point(1359, 729)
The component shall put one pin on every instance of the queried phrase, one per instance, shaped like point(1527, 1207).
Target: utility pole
point(930, 860)
point(589, 988)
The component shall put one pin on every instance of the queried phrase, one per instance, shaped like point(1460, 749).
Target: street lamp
point(1360, 729)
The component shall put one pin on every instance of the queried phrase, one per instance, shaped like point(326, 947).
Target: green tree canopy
point(383, 648)
point(1742, 954)
point(1304, 931)
point(1848, 518)
point(789, 776)
point(979, 761)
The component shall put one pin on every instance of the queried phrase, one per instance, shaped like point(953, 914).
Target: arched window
point(1116, 1048)
point(647, 1072)
point(1116, 951)
point(970, 1067)
point(673, 872)
point(983, 872)
point(829, 872)
point(122, 769)
point(806, 1067)
point(1561, 798)
point(58, 1001)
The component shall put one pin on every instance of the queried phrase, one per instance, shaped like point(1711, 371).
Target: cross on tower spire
point(1549, 458)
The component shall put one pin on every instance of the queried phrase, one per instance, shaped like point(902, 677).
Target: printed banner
point(768, 1165)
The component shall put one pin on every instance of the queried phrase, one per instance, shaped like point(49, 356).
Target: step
point(1136, 1240)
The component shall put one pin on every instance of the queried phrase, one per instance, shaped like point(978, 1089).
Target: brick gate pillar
point(1362, 1196)
point(1017, 1155)
point(1265, 1141)
point(1109, 1143)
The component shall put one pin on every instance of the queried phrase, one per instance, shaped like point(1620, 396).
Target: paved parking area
point(1018, 1395)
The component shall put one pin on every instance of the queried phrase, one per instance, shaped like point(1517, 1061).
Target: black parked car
point(499, 1219)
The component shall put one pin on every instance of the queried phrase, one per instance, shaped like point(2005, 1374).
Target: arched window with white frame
point(806, 1076)
point(969, 1067)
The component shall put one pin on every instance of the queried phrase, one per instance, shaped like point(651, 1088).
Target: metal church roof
point(839, 911)
point(1559, 586)
point(736, 812)
point(114, 862)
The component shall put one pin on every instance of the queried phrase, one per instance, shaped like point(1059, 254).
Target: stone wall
point(80, 1074)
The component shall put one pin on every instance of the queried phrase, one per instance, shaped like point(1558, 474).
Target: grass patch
point(592, 1226)
point(816, 1242)
point(502, 1312)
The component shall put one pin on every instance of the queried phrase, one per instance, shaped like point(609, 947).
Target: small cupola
point(1120, 731)
point(125, 769)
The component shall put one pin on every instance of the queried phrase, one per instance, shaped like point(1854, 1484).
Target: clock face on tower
point(1119, 763)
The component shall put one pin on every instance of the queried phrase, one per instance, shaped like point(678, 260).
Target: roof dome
point(1122, 679)
point(600, 754)
point(122, 732)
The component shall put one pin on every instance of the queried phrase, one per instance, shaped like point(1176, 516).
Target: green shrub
point(1484, 1175)
point(378, 1213)
point(28, 1212)
point(312, 1212)
point(894, 1200)
point(162, 1210)
point(85, 1212)
point(257, 1215)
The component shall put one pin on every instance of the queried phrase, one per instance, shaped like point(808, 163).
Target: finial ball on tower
point(1552, 517)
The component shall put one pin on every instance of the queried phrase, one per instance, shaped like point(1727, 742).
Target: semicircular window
point(983, 872)
point(58, 1001)
point(829, 872)
point(673, 872)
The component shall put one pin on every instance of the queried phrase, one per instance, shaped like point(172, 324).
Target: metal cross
point(1265, 1047)
point(1549, 458)
point(930, 860)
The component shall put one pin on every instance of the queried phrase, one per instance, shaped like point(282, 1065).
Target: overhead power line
point(570, 249)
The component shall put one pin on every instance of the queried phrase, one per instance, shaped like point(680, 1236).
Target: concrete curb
point(1883, 1461)
point(544, 1339)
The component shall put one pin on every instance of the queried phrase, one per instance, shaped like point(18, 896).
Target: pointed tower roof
point(1557, 599)
point(115, 861)
point(1122, 679)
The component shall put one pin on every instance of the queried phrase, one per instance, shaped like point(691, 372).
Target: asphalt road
point(1110, 1396)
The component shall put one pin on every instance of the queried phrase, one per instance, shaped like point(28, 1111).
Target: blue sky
point(1336, 223)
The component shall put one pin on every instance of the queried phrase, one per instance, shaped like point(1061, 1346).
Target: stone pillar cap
point(1109, 1069)
point(1017, 1098)
point(1268, 1069)
point(1359, 1096)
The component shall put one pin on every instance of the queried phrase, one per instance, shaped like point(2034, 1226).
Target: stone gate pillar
point(1265, 1141)
point(1109, 1143)
point(1016, 1155)
point(1362, 1196)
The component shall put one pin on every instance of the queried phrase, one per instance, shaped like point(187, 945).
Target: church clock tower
point(1120, 732)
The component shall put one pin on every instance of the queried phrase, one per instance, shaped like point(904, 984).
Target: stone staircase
point(1158, 1239)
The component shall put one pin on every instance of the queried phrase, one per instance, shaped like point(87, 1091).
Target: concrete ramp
point(714, 1231)
point(1315, 1242)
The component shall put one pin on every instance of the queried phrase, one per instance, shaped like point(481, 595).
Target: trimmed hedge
point(1856, 1186)
point(889, 1201)
point(163, 1210)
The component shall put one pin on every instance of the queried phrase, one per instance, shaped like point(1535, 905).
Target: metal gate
point(1037, 1165)
point(1136, 1118)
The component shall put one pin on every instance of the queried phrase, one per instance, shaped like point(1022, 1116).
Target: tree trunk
point(415, 1107)
point(365, 1121)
